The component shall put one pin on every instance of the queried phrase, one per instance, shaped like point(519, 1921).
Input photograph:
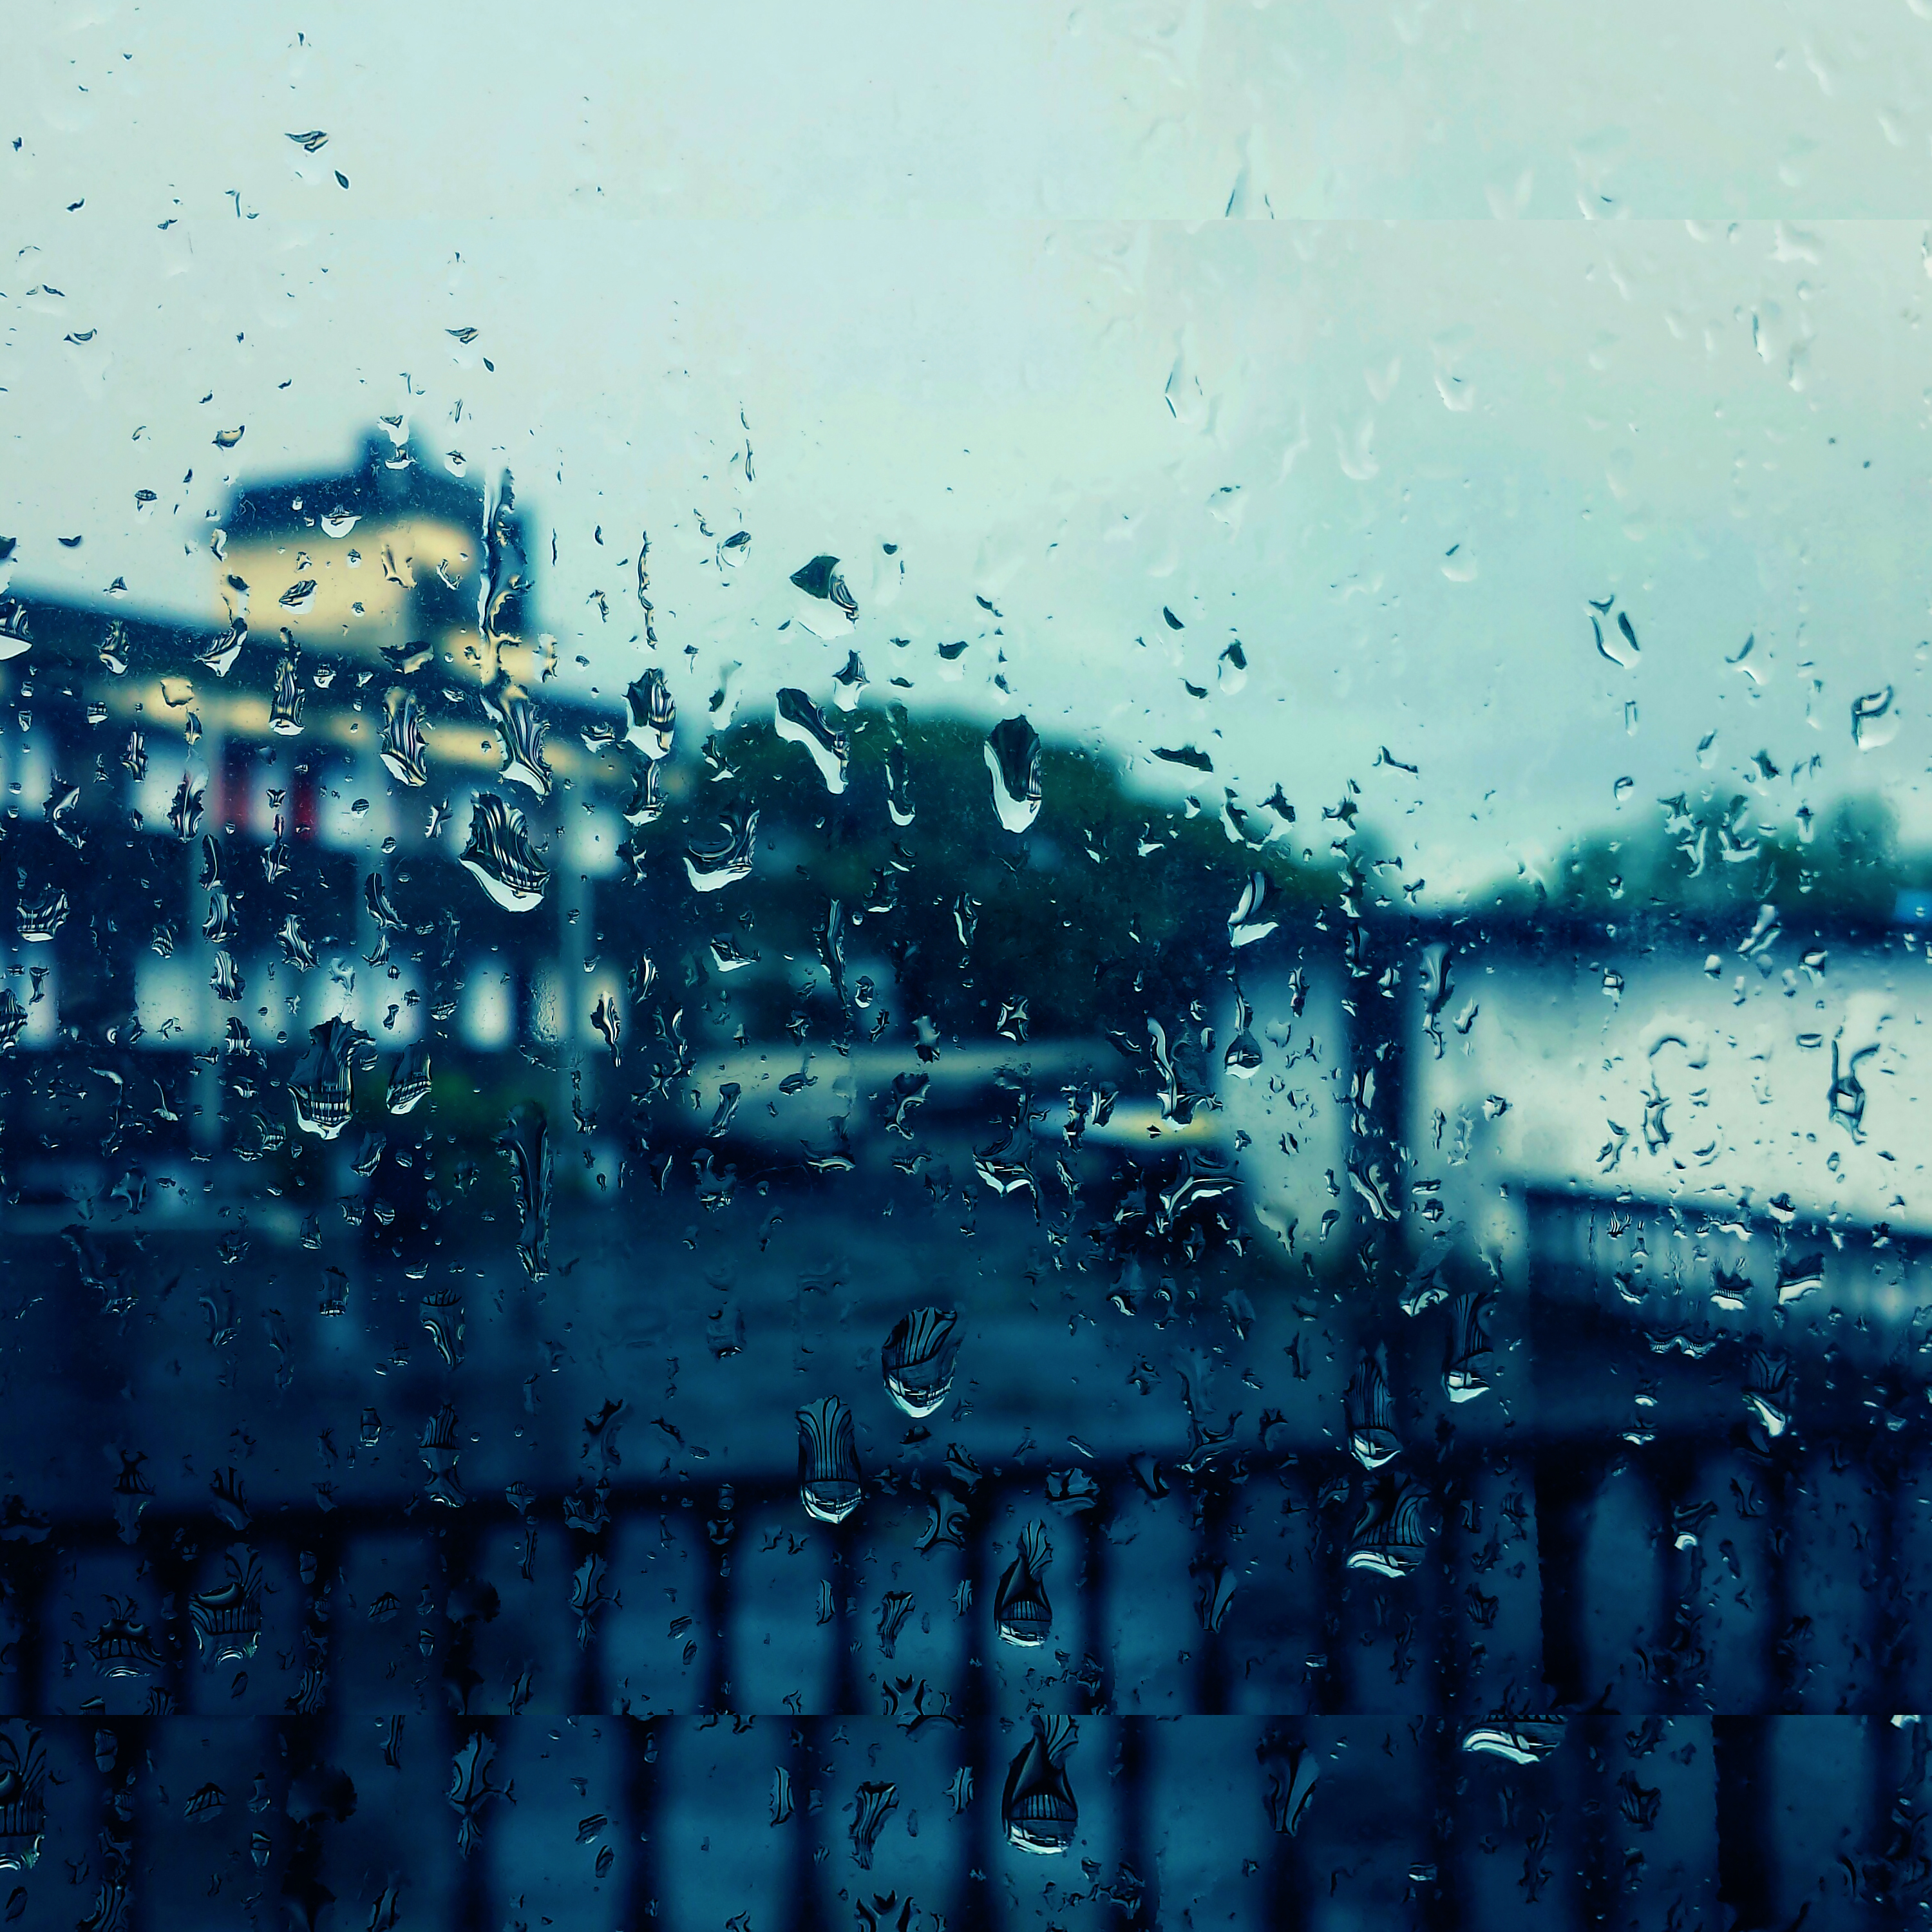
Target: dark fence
point(1660, 1761)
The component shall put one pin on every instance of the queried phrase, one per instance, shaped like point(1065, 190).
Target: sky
point(1382, 339)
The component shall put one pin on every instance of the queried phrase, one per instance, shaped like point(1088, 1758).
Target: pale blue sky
point(968, 275)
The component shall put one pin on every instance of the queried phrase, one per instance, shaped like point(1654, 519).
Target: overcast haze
point(1067, 308)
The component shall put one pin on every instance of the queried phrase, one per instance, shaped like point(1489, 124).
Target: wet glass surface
point(969, 976)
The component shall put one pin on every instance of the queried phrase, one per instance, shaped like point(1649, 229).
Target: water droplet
point(500, 856)
point(1387, 1536)
point(800, 721)
point(121, 1647)
point(828, 1460)
point(1874, 722)
point(16, 634)
point(1012, 753)
point(472, 1787)
point(820, 578)
point(227, 1620)
point(409, 1083)
point(219, 653)
point(918, 1358)
point(23, 1806)
point(653, 714)
point(1462, 1377)
point(645, 806)
point(207, 1802)
point(895, 1607)
point(1371, 1437)
point(870, 1805)
point(1037, 1808)
point(322, 1093)
point(1520, 1740)
point(711, 867)
point(850, 682)
point(1768, 1391)
point(438, 1454)
point(525, 1139)
point(285, 710)
point(522, 730)
point(1022, 1612)
point(42, 914)
point(898, 785)
point(1292, 1769)
point(185, 813)
point(1250, 920)
point(1618, 644)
